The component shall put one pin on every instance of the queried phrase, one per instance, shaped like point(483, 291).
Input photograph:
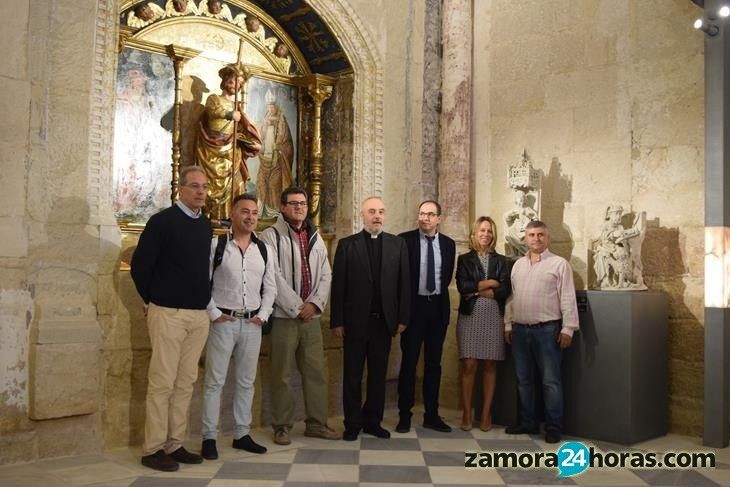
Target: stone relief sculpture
point(617, 252)
point(144, 14)
point(524, 180)
point(177, 8)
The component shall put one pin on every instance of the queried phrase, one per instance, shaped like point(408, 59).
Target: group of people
point(224, 290)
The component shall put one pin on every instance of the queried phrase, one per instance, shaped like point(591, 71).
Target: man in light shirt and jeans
point(244, 289)
point(540, 318)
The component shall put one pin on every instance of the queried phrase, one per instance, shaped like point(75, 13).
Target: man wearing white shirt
point(244, 289)
point(540, 318)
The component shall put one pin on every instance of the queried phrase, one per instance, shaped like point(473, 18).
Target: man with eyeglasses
point(303, 285)
point(170, 270)
point(432, 257)
point(244, 289)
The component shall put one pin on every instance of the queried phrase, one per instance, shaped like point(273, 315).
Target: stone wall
point(50, 352)
point(607, 98)
point(605, 95)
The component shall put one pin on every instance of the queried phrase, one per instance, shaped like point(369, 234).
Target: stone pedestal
point(615, 372)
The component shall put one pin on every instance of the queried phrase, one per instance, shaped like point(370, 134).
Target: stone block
point(15, 106)
point(685, 416)
point(18, 447)
point(600, 127)
point(15, 315)
point(588, 87)
point(64, 380)
point(69, 436)
point(686, 377)
point(14, 42)
point(13, 176)
point(520, 96)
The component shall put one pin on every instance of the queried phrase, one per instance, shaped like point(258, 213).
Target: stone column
point(319, 92)
point(456, 89)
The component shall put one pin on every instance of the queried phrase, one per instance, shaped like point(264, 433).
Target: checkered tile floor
point(419, 458)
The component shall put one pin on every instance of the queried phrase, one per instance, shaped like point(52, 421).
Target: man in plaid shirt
point(303, 285)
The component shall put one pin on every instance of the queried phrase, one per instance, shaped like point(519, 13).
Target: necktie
point(430, 267)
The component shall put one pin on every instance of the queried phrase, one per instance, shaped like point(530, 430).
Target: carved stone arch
point(367, 170)
point(367, 66)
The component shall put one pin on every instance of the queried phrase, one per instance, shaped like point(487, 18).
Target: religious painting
point(273, 108)
point(142, 137)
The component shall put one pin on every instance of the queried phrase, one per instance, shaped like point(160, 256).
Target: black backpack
point(221, 248)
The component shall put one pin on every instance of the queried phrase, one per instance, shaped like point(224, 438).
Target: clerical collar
point(373, 235)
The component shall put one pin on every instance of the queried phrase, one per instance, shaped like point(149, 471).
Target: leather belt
point(540, 324)
point(239, 313)
point(375, 316)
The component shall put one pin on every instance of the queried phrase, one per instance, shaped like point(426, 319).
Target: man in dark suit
point(370, 304)
point(431, 262)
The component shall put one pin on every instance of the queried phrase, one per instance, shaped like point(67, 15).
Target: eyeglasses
point(297, 203)
point(197, 186)
point(428, 215)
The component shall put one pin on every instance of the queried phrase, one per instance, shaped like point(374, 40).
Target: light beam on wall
point(717, 267)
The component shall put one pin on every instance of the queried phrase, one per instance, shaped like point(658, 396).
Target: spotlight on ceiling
point(709, 29)
point(724, 11)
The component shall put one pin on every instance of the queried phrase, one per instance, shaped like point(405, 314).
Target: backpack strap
point(218, 256)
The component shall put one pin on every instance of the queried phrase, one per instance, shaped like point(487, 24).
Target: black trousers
point(426, 329)
point(373, 347)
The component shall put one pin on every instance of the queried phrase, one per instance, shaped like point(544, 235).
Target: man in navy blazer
point(432, 256)
point(370, 304)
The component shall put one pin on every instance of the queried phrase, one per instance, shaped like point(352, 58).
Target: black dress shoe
point(437, 424)
point(519, 429)
point(403, 426)
point(208, 450)
point(376, 430)
point(181, 455)
point(350, 435)
point(247, 443)
point(552, 436)
point(160, 460)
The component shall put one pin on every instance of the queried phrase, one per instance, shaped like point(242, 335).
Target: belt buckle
point(238, 313)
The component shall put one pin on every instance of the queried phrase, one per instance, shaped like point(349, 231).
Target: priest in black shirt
point(170, 268)
point(370, 304)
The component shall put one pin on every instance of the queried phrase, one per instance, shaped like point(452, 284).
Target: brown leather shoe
point(160, 460)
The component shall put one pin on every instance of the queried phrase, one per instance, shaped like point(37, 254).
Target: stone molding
point(101, 114)
point(367, 170)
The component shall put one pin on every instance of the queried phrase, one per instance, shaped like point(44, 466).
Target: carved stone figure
point(282, 56)
point(214, 144)
point(517, 219)
point(176, 8)
point(617, 252)
point(252, 24)
point(276, 158)
point(525, 181)
point(144, 14)
point(215, 9)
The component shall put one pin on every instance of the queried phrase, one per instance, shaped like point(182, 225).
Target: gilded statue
point(214, 148)
point(276, 158)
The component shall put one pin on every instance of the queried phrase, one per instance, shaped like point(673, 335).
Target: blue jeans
point(241, 340)
point(538, 345)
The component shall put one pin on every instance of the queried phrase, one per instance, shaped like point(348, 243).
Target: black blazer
point(448, 256)
point(469, 272)
point(352, 288)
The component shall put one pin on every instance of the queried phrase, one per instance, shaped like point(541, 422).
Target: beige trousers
point(177, 337)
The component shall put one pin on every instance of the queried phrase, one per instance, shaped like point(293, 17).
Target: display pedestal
point(615, 372)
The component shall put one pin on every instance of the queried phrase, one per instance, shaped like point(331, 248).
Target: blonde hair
point(473, 243)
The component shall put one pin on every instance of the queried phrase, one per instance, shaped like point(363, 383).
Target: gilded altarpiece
point(170, 64)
